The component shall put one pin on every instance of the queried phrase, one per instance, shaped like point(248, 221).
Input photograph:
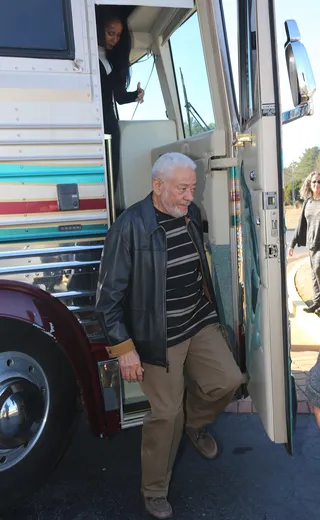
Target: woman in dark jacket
point(308, 232)
point(114, 49)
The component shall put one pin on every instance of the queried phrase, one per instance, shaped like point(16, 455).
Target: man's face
point(176, 191)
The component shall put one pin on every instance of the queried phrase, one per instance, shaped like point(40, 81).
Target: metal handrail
point(46, 267)
point(73, 294)
point(48, 252)
point(107, 138)
point(81, 308)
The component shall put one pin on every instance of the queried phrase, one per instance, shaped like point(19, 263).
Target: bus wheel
point(38, 408)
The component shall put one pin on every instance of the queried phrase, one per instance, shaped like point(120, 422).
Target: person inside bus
point(114, 45)
point(308, 233)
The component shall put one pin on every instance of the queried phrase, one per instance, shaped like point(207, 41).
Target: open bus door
point(263, 227)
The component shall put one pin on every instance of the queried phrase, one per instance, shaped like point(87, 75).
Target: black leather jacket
point(112, 86)
point(300, 235)
point(132, 281)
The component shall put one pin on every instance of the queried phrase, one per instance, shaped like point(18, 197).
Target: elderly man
point(161, 317)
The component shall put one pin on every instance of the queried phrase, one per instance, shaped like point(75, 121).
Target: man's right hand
point(290, 252)
point(131, 368)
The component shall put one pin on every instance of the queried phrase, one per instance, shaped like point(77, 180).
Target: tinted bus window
point(36, 29)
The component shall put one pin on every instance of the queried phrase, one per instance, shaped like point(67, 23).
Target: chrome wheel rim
point(24, 405)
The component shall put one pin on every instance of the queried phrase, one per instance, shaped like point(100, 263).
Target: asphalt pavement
point(253, 479)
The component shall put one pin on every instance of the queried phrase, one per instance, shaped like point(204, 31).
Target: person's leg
point(212, 379)
point(315, 274)
point(163, 425)
point(316, 412)
point(313, 389)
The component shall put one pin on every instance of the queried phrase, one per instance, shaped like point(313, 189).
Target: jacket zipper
point(164, 305)
point(206, 290)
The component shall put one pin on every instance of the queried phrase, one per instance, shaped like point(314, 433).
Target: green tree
point(288, 192)
point(196, 128)
point(287, 172)
point(308, 162)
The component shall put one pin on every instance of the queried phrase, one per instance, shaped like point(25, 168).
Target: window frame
point(194, 12)
point(68, 54)
point(248, 63)
point(144, 58)
point(236, 102)
point(176, 87)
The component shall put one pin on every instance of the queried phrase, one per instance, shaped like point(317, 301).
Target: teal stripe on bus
point(33, 174)
point(47, 233)
point(234, 172)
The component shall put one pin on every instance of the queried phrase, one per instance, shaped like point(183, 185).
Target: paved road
point(253, 479)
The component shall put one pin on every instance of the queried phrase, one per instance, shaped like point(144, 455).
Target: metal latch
point(241, 139)
point(270, 200)
point(272, 251)
point(78, 65)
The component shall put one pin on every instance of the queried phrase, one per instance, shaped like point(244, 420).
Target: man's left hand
point(131, 368)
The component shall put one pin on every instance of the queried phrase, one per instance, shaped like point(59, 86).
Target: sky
point(188, 55)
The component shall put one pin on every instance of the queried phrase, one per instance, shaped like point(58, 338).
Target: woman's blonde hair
point(305, 190)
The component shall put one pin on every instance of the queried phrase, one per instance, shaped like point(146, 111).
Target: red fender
point(32, 305)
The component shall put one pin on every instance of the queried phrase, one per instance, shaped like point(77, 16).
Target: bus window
point(36, 29)
point(153, 107)
point(192, 79)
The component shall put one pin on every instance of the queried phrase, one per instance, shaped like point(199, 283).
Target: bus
point(57, 202)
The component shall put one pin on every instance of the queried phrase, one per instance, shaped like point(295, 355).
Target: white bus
point(57, 203)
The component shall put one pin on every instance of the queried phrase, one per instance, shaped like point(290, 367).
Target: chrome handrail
point(49, 251)
point(107, 138)
point(47, 267)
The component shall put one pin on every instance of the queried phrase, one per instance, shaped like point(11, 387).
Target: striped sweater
point(188, 309)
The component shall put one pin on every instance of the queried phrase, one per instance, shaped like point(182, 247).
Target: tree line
point(297, 171)
point(196, 127)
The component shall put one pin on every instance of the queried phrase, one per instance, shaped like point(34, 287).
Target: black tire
point(30, 473)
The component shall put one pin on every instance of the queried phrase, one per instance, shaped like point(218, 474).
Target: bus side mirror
point(301, 78)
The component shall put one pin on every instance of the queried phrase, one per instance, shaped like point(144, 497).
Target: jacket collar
point(150, 218)
point(149, 215)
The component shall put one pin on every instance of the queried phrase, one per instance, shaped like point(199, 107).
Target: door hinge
point(241, 139)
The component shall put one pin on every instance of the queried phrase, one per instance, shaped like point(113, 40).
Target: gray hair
point(168, 162)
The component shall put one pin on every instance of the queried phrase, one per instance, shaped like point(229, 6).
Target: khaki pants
point(205, 366)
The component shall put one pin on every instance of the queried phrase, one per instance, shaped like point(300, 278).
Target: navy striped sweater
point(188, 309)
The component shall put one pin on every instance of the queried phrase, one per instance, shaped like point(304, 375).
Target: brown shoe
point(203, 442)
point(158, 507)
point(314, 308)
